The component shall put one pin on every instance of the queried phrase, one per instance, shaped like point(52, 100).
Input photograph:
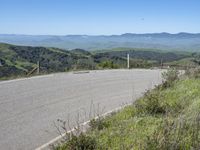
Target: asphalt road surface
point(29, 108)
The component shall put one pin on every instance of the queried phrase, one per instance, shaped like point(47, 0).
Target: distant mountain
point(166, 41)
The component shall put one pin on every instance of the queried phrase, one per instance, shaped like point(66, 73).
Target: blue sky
point(95, 17)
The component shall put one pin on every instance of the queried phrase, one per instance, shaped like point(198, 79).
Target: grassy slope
point(174, 123)
point(183, 100)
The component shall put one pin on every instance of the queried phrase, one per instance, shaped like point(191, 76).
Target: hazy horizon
point(100, 34)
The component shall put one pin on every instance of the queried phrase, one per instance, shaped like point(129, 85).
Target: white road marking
point(46, 145)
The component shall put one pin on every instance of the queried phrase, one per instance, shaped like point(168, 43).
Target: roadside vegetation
point(19, 61)
point(165, 118)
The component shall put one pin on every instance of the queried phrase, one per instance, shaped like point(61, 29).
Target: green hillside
point(145, 54)
point(20, 60)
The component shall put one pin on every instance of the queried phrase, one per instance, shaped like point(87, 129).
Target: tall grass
point(166, 118)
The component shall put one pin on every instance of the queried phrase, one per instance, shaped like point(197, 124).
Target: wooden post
point(38, 67)
point(161, 63)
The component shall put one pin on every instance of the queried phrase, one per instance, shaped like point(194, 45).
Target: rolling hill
point(165, 41)
point(20, 60)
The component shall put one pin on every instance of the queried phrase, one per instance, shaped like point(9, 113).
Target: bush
point(194, 72)
point(98, 124)
point(169, 77)
point(151, 104)
point(81, 142)
point(108, 65)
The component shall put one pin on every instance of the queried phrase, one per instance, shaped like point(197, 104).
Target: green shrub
point(81, 142)
point(152, 104)
point(108, 65)
point(169, 77)
point(98, 124)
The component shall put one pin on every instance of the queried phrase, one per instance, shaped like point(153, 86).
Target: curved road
point(29, 108)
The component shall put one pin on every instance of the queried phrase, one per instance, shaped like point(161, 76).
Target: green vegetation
point(144, 54)
point(189, 62)
point(108, 65)
point(17, 61)
point(167, 117)
point(82, 142)
point(184, 62)
point(20, 60)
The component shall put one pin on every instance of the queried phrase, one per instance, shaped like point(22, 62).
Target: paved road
point(29, 107)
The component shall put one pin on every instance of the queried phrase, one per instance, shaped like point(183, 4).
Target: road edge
point(51, 142)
